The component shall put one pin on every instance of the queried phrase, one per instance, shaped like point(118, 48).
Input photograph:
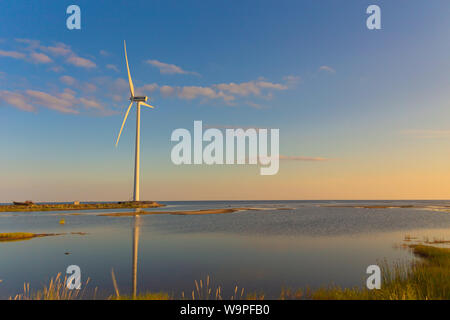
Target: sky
point(362, 114)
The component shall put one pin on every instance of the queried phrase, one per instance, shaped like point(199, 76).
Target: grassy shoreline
point(15, 236)
point(81, 206)
point(426, 279)
point(19, 236)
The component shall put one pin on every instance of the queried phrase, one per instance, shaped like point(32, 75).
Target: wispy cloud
point(90, 103)
point(63, 50)
point(68, 80)
point(112, 67)
point(254, 88)
point(167, 91)
point(292, 80)
point(149, 87)
point(63, 102)
point(35, 52)
point(88, 87)
point(57, 69)
point(40, 58)
point(85, 87)
point(227, 92)
point(327, 69)
point(255, 105)
point(12, 54)
point(60, 49)
point(35, 57)
point(192, 92)
point(293, 158)
point(231, 93)
point(166, 68)
point(429, 134)
point(81, 62)
point(209, 126)
point(302, 158)
point(32, 43)
point(17, 100)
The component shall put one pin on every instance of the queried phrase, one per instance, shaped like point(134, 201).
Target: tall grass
point(205, 290)
point(56, 290)
point(144, 296)
point(12, 236)
point(428, 278)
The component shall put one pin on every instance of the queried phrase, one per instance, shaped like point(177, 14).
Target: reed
point(56, 290)
point(425, 279)
point(11, 236)
point(144, 296)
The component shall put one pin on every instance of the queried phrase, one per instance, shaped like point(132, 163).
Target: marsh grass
point(56, 290)
point(205, 290)
point(145, 296)
point(19, 236)
point(425, 279)
point(81, 206)
point(12, 236)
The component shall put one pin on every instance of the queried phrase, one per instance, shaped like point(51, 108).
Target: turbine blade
point(147, 105)
point(128, 69)
point(123, 123)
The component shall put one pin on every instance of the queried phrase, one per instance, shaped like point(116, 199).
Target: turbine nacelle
point(139, 99)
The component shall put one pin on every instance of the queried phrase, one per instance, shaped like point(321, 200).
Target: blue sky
point(371, 107)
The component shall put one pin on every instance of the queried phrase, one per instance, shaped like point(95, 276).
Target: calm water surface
point(309, 244)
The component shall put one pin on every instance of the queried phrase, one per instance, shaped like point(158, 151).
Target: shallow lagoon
point(288, 244)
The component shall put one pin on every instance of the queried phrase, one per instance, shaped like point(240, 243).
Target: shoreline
point(19, 236)
point(189, 212)
point(402, 282)
point(80, 206)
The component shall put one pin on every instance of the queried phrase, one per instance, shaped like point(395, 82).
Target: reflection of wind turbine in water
point(139, 101)
point(135, 243)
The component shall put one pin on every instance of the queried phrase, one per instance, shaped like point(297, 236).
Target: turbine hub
point(140, 99)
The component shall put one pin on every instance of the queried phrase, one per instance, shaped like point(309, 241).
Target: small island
point(76, 205)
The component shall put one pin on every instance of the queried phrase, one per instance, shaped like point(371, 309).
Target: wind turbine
point(139, 101)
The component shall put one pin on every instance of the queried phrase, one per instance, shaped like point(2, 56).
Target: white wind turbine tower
point(139, 101)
